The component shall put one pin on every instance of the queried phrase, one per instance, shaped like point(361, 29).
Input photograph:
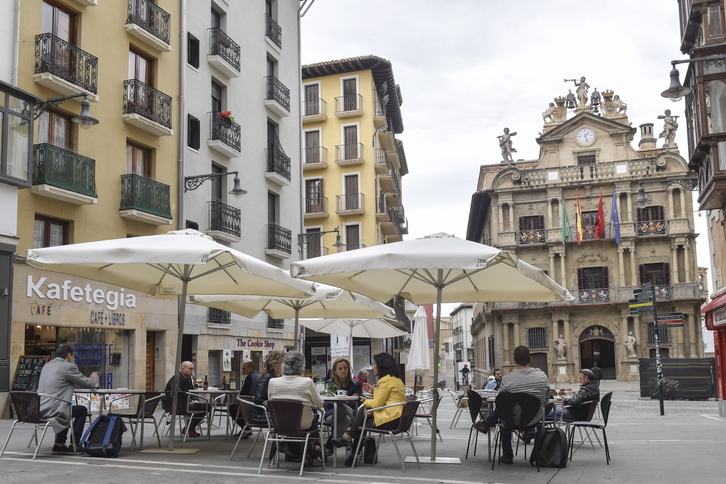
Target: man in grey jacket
point(59, 378)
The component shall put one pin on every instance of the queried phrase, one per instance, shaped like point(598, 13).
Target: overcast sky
point(469, 68)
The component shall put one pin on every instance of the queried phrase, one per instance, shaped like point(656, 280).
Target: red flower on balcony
point(228, 116)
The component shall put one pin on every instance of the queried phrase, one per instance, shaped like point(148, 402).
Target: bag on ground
point(103, 437)
point(369, 450)
point(550, 449)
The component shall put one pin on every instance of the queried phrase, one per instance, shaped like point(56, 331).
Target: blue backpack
point(103, 438)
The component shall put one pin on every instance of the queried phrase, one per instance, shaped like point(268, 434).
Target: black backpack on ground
point(103, 437)
point(550, 449)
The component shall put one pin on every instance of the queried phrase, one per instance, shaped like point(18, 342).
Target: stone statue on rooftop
point(505, 143)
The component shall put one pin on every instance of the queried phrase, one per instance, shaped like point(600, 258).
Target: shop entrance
point(597, 345)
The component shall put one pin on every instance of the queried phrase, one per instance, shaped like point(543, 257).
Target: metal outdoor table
point(103, 392)
point(210, 393)
point(335, 399)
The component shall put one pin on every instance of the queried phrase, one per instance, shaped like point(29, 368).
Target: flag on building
point(600, 220)
point(578, 223)
point(565, 223)
point(614, 219)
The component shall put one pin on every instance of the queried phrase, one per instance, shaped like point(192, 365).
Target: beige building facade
point(587, 164)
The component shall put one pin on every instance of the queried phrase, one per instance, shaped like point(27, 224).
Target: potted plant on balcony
point(227, 119)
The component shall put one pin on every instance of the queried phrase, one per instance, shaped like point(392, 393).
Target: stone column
point(633, 267)
point(688, 262)
point(671, 213)
point(552, 263)
point(693, 339)
point(505, 343)
point(674, 263)
point(516, 335)
point(512, 227)
point(684, 213)
point(621, 265)
point(501, 217)
point(630, 207)
point(563, 275)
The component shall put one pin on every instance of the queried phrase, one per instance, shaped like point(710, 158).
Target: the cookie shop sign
point(255, 343)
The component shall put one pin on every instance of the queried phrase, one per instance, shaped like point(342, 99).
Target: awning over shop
point(714, 304)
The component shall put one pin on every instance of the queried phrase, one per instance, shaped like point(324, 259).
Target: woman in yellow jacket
point(389, 390)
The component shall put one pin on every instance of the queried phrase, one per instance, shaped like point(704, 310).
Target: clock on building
point(585, 136)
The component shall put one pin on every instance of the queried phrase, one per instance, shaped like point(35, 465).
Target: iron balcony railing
point(278, 162)
point(145, 194)
point(348, 152)
point(150, 17)
point(530, 237)
point(218, 316)
point(316, 154)
point(611, 295)
point(224, 130)
point(313, 107)
point(650, 228)
point(350, 102)
point(144, 100)
point(64, 169)
point(225, 218)
point(276, 91)
point(273, 323)
point(222, 45)
point(349, 201)
point(382, 158)
point(393, 215)
point(379, 110)
point(279, 238)
point(56, 56)
point(273, 31)
point(316, 204)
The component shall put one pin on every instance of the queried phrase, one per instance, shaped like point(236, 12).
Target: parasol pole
point(177, 360)
point(437, 331)
point(297, 327)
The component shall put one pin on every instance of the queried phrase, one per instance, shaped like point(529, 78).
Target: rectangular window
point(658, 273)
point(351, 193)
point(138, 160)
point(352, 237)
point(350, 95)
point(15, 137)
point(350, 134)
point(59, 22)
point(586, 160)
point(651, 214)
point(216, 97)
point(218, 183)
point(715, 21)
point(193, 51)
point(140, 67)
point(314, 196)
point(193, 132)
point(312, 147)
point(588, 225)
point(533, 222)
point(49, 232)
point(537, 338)
point(314, 245)
point(592, 278)
point(55, 129)
point(312, 101)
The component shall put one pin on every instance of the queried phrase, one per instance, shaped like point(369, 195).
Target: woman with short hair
point(273, 363)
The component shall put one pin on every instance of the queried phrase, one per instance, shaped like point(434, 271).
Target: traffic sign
point(671, 318)
point(634, 303)
point(671, 325)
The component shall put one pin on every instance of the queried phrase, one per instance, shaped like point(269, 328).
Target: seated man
point(252, 376)
point(577, 411)
point(186, 370)
point(524, 379)
point(59, 377)
point(495, 382)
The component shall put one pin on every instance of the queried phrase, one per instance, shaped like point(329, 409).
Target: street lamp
point(302, 239)
point(84, 120)
point(676, 90)
point(194, 182)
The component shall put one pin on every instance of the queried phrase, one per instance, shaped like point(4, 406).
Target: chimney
point(647, 141)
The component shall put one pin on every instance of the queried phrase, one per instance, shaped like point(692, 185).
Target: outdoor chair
point(592, 405)
point(476, 411)
point(425, 411)
point(401, 433)
point(595, 426)
point(183, 410)
point(220, 409)
point(245, 405)
point(506, 403)
point(460, 403)
point(26, 406)
point(285, 416)
point(146, 404)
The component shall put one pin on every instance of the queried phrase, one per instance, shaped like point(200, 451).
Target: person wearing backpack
point(59, 377)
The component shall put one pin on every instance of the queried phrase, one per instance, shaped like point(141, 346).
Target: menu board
point(27, 374)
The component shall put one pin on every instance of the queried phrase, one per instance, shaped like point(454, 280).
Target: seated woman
point(390, 389)
point(346, 410)
point(273, 363)
point(293, 385)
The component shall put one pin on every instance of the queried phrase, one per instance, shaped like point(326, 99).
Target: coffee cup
point(342, 393)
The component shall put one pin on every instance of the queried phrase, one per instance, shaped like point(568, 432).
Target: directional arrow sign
point(634, 303)
point(671, 318)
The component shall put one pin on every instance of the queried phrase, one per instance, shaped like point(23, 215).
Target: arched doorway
point(597, 345)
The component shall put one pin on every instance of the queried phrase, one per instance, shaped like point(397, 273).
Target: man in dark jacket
point(597, 373)
point(186, 370)
point(575, 409)
point(252, 377)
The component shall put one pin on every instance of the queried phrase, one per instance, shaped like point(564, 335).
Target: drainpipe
point(16, 44)
point(182, 112)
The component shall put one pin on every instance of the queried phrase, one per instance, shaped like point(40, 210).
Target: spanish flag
point(579, 221)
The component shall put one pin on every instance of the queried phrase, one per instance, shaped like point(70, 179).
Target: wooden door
point(150, 340)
